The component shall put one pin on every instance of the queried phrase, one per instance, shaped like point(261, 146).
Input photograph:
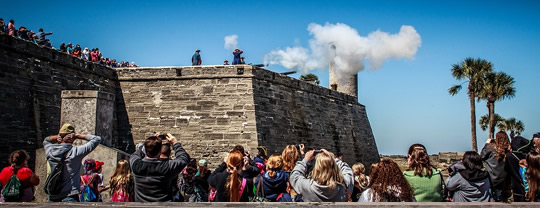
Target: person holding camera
point(59, 147)
point(329, 181)
point(152, 175)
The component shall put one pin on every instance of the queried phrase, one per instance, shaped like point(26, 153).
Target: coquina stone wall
point(214, 108)
point(209, 108)
point(31, 81)
point(290, 111)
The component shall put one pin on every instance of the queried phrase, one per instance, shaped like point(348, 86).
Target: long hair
point(326, 172)
point(289, 156)
point(533, 173)
point(274, 164)
point(389, 184)
point(121, 176)
point(501, 145)
point(358, 171)
point(18, 157)
point(419, 160)
point(235, 160)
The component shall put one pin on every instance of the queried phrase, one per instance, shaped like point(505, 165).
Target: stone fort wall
point(210, 108)
point(31, 81)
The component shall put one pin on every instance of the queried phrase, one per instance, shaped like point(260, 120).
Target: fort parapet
point(210, 108)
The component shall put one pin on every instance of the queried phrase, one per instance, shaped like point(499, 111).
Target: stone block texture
point(31, 81)
point(209, 108)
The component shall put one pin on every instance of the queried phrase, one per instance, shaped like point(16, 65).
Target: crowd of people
point(296, 175)
point(40, 38)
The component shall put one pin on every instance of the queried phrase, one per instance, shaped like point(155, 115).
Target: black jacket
point(218, 179)
point(153, 177)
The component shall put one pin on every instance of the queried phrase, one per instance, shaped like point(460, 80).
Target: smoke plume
point(352, 49)
point(231, 42)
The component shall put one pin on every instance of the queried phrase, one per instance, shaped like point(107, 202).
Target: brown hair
point(240, 149)
point(388, 175)
point(326, 171)
point(358, 170)
point(289, 156)
point(274, 164)
point(18, 157)
point(533, 171)
point(121, 176)
point(165, 150)
point(501, 145)
point(235, 160)
point(419, 160)
point(152, 146)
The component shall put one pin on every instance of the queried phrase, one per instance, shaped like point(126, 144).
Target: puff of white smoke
point(352, 49)
point(231, 42)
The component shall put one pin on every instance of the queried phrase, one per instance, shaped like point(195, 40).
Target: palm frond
point(454, 90)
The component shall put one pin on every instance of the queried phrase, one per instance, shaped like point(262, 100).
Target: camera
point(163, 136)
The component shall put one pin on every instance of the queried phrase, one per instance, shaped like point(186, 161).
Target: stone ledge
point(252, 204)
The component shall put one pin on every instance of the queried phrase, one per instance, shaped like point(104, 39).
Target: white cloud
point(352, 49)
point(231, 42)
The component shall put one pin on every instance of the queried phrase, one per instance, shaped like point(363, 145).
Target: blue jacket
point(196, 59)
point(273, 186)
point(236, 59)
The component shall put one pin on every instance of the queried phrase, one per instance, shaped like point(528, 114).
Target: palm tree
point(513, 125)
point(472, 70)
point(496, 86)
point(484, 122)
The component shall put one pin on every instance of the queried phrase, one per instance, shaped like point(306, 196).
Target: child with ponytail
point(230, 186)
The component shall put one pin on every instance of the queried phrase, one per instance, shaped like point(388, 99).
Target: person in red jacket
point(28, 179)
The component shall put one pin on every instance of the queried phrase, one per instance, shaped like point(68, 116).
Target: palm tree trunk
point(491, 106)
point(473, 120)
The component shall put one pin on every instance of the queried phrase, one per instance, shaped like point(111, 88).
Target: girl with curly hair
point(387, 184)
point(494, 154)
point(425, 180)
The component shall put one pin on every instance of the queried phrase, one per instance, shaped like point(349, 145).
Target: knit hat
point(203, 162)
point(67, 129)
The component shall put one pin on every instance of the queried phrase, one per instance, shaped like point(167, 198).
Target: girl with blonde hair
point(230, 185)
point(361, 181)
point(274, 181)
point(329, 180)
point(121, 183)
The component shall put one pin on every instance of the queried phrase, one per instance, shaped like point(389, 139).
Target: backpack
point(12, 191)
point(53, 184)
point(121, 195)
point(87, 193)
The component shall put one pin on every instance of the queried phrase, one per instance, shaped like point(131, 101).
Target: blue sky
point(406, 100)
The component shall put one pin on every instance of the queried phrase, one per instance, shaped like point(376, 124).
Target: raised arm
point(85, 149)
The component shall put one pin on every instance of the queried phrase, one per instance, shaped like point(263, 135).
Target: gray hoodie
point(313, 192)
point(73, 162)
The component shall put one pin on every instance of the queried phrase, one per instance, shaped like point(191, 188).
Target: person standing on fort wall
point(61, 146)
point(196, 58)
point(236, 53)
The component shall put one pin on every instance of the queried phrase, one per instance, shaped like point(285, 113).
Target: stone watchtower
point(344, 83)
